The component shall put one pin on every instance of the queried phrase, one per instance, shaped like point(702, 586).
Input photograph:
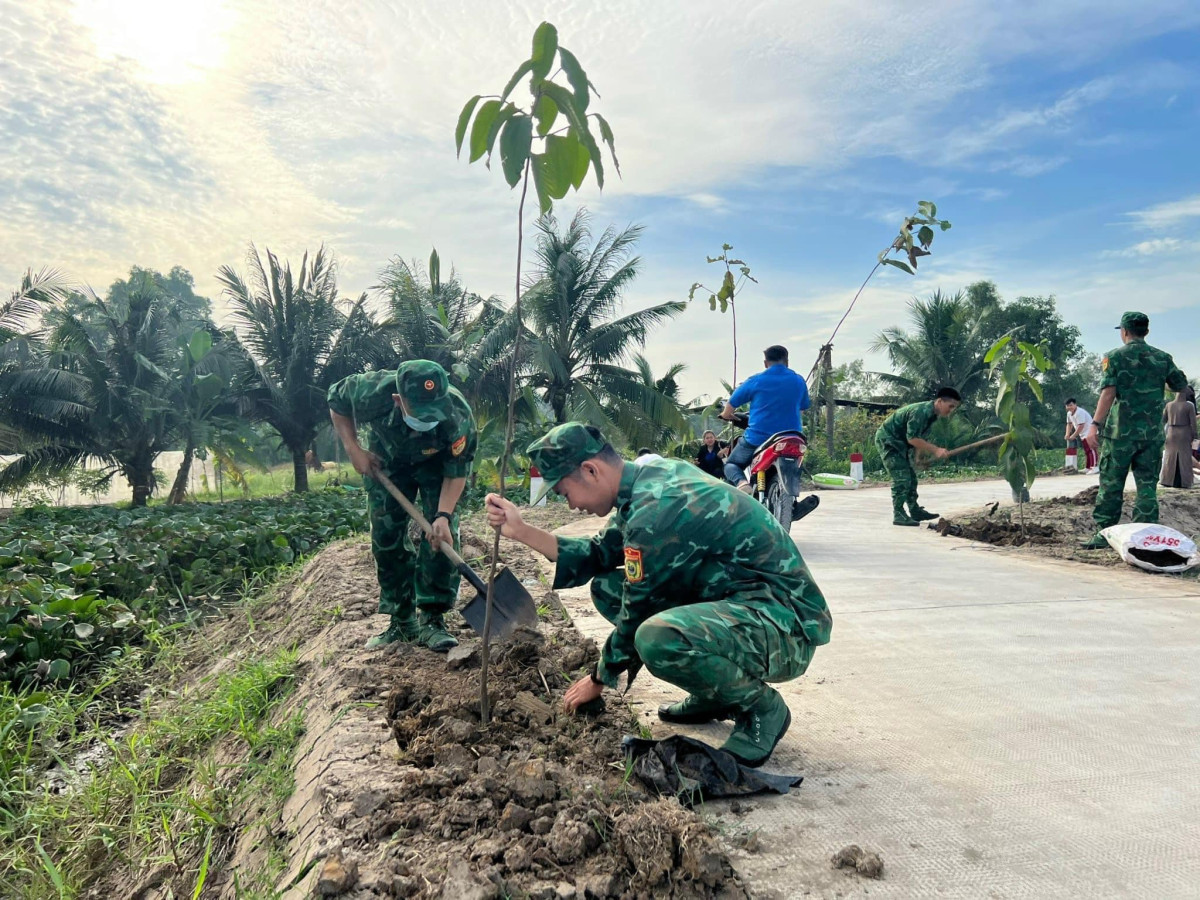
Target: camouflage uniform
point(701, 584)
point(912, 421)
point(1132, 437)
point(412, 577)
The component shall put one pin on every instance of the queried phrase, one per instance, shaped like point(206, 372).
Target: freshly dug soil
point(401, 790)
point(1056, 527)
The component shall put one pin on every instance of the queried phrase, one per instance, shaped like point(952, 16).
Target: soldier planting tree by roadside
point(701, 584)
point(423, 438)
point(901, 434)
point(1127, 427)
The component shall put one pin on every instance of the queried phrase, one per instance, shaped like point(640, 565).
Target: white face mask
point(418, 425)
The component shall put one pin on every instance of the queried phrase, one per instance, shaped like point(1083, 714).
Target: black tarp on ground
point(692, 771)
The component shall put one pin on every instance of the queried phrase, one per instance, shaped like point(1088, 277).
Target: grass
point(161, 794)
point(273, 482)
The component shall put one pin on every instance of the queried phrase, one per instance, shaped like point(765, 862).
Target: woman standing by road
point(1180, 419)
point(711, 456)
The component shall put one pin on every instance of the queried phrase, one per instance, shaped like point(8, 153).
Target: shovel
point(511, 604)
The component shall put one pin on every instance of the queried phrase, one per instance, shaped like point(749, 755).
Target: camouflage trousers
point(412, 575)
point(904, 476)
point(1117, 458)
point(722, 651)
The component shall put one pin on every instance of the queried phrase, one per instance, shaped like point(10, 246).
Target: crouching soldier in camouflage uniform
point(423, 438)
point(1132, 388)
point(900, 434)
point(701, 584)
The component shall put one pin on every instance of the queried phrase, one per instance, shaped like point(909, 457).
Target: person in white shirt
point(1079, 424)
point(645, 455)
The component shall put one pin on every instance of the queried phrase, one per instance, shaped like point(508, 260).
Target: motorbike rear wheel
point(779, 502)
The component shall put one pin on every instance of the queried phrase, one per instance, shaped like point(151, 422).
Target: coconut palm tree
point(577, 344)
point(21, 340)
point(300, 340)
point(945, 348)
point(100, 388)
point(467, 335)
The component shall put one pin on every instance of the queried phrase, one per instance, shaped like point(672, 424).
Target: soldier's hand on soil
point(441, 533)
point(364, 461)
point(502, 513)
point(583, 691)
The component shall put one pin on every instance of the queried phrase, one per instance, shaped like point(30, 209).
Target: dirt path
point(401, 792)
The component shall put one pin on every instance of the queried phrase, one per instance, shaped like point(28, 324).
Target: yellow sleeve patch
point(459, 446)
point(429, 451)
point(1104, 364)
point(633, 565)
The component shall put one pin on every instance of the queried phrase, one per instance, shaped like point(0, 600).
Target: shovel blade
point(512, 606)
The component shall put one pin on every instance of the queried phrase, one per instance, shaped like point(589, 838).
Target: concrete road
point(994, 724)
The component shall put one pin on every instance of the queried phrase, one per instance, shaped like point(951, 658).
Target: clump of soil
point(864, 862)
point(1056, 527)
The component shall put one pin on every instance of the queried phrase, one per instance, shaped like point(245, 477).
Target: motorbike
point(774, 474)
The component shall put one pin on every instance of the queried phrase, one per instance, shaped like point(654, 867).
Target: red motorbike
point(774, 475)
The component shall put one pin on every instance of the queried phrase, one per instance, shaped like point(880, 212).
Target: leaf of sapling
point(997, 347)
point(522, 70)
point(606, 135)
point(925, 236)
point(903, 267)
point(482, 125)
point(514, 147)
point(537, 169)
point(1034, 385)
point(1012, 368)
point(576, 77)
point(505, 114)
point(566, 103)
point(464, 118)
point(712, 303)
point(692, 292)
point(945, 226)
point(546, 111)
point(545, 45)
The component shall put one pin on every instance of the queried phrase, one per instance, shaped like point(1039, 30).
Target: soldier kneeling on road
point(701, 584)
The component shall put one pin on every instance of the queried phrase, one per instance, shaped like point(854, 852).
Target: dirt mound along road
point(400, 791)
point(1056, 527)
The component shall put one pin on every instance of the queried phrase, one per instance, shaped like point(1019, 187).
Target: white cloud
point(1155, 247)
point(1167, 215)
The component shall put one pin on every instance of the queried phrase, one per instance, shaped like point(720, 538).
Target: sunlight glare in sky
point(173, 41)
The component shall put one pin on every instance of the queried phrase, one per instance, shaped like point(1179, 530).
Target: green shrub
point(74, 580)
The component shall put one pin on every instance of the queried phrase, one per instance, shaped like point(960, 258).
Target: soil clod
point(864, 862)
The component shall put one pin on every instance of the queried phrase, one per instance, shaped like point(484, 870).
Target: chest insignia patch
point(459, 446)
point(633, 565)
point(429, 451)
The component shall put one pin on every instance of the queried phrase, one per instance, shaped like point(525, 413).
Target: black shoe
point(920, 513)
point(693, 711)
point(802, 508)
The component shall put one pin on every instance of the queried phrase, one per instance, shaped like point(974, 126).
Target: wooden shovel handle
point(975, 446)
point(408, 507)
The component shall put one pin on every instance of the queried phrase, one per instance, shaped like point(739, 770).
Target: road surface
point(994, 724)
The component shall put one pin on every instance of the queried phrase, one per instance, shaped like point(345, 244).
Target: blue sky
point(1061, 141)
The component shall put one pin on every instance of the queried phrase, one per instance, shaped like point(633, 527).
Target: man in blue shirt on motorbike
point(776, 396)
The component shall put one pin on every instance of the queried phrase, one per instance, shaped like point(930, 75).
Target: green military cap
point(1134, 319)
point(423, 385)
point(560, 450)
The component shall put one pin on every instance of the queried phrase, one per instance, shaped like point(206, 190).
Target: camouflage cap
point(560, 450)
point(1134, 319)
point(423, 385)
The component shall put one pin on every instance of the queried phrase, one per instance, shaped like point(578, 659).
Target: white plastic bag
point(1155, 548)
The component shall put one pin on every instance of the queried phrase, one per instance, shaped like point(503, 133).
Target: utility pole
point(826, 367)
